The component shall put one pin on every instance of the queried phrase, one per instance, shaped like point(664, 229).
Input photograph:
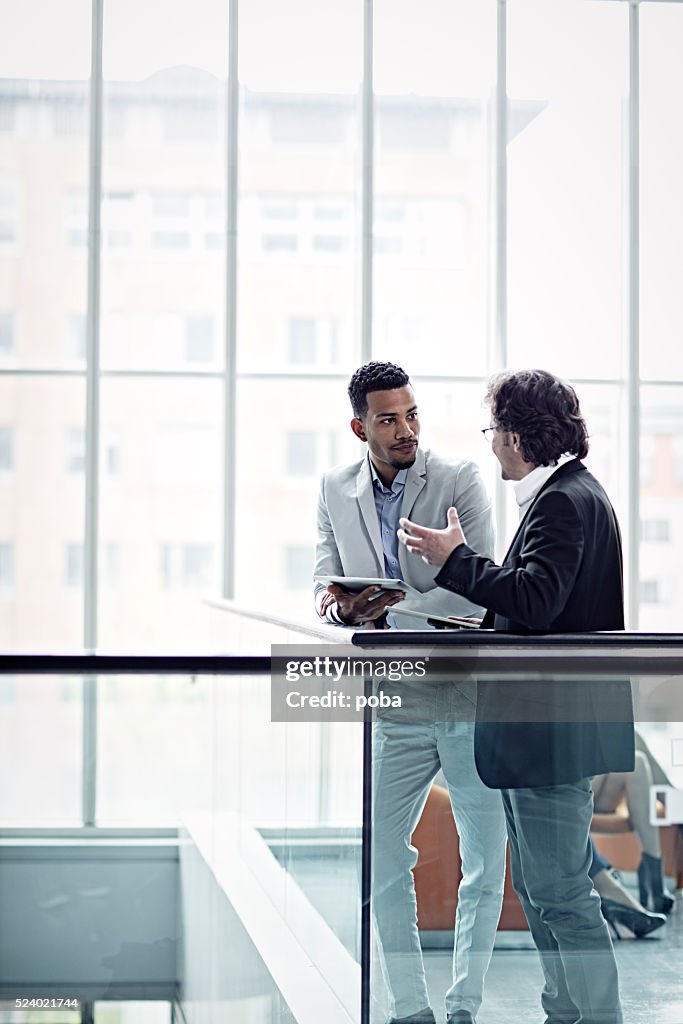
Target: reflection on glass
point(566, 153)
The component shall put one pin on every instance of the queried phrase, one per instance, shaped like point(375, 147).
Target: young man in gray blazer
point(358, 513)
point(540, 741)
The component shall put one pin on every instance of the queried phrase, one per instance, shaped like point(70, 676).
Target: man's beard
point(395, 464)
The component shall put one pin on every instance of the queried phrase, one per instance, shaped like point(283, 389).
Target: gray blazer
point(349, 542)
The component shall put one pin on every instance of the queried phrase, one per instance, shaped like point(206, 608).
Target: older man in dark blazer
point(562, 573)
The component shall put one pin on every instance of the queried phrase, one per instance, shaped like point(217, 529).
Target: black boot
point(651, 885)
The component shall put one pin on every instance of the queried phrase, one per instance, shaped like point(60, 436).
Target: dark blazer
point(562, 574)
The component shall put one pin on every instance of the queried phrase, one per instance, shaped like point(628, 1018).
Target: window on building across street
point(6, 564)
point(6, 448)
point(6, 333)
point(657, 530)
point(73, 565)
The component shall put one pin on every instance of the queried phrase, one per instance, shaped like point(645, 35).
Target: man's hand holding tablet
point(367, 604)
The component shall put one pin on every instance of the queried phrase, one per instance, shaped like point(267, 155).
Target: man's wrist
point(334, 614)
point(353, 621)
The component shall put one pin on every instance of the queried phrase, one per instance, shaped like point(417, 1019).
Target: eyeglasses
point(488, 433)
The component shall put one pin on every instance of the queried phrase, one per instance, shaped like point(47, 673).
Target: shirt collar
point(528, 487)
point(399, 480)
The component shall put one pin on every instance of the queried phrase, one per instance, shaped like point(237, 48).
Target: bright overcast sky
point(437, 47)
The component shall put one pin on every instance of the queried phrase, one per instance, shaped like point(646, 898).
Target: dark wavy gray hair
point(543, 410)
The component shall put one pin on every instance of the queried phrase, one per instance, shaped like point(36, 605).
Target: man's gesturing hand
point(434, 546)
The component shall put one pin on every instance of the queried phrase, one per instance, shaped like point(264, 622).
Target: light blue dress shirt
point(388, 501)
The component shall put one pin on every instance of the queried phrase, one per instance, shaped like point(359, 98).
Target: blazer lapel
point(416, 478)
point(366, 501)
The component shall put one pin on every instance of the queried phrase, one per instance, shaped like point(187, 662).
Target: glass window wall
point(163, 418)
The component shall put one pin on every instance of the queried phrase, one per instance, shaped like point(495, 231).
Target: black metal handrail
point(644, 653)
point(96, 663)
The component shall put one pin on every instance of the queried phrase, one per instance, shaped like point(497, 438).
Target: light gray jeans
point(406, 757)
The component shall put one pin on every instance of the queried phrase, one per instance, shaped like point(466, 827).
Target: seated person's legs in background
point(608, 791)
point(616, 903)
point(648, 772)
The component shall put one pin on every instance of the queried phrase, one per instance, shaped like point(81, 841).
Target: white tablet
point(354, 584)
point(452, 621)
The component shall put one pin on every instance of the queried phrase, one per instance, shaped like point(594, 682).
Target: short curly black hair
point(374, 376)
point(543, 410)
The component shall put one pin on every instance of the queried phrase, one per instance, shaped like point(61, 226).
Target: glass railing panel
point(18, 1011)
point(133, 1012)
point(223, 867)
point(154, 740)
point(41, 724)
point(575, 692)
point(255, 908)
point(277, 781)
